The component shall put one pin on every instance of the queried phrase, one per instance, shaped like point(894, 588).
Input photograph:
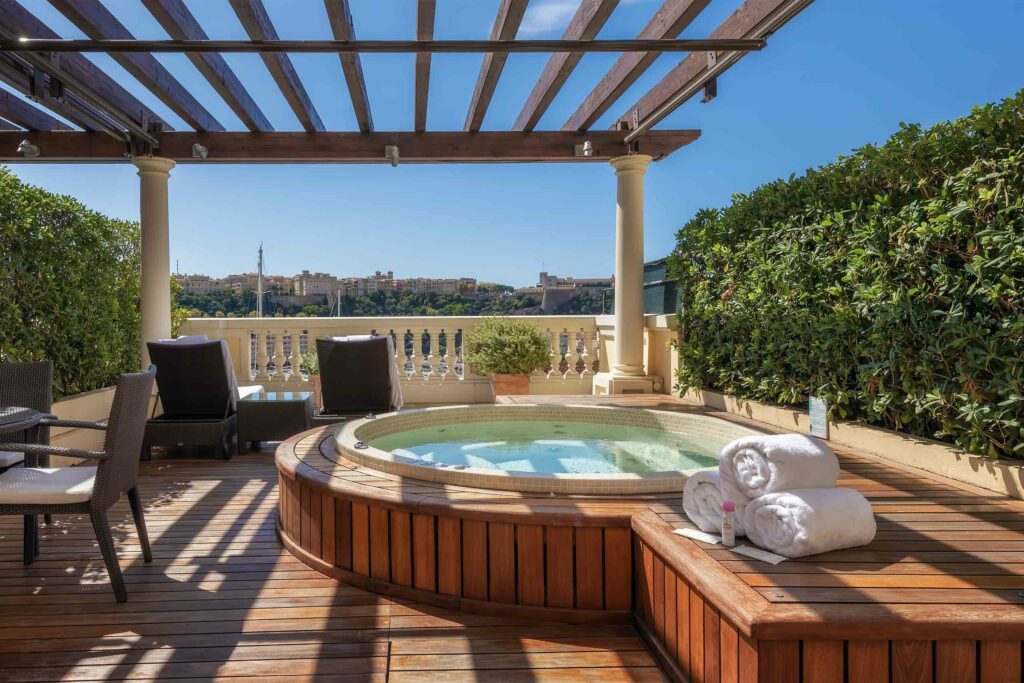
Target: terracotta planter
point(314, 385)
point(510, 385)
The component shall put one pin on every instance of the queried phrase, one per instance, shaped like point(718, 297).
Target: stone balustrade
point(429, 356)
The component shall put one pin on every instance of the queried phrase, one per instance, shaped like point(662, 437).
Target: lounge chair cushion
point(352, 337)
point(46, 485)
point(186, 340)
point(9, 458)
point(250, 390)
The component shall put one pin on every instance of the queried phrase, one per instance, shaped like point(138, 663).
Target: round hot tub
point(541, 449)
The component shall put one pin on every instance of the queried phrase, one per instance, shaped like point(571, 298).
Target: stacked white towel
point(810, 521)
point(756, 465)
point(784, 488)
point(702, 501)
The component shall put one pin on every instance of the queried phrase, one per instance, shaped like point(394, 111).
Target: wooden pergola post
point(154, 172)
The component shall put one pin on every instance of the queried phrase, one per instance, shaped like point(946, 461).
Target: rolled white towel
point(756, 465)
point(702, 501)
point(810, 521)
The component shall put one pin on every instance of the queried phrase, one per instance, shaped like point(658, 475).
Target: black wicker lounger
point(358, 376)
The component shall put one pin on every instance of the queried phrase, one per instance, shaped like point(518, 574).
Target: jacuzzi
point(540, 448)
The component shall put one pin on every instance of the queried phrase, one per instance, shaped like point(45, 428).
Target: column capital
point(631, 163)
point(153, 165)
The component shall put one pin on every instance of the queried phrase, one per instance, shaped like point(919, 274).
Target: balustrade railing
point(429, 352)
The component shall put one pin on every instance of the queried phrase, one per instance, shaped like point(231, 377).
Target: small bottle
point(728, 523)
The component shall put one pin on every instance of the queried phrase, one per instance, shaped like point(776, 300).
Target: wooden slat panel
point(474, 559)
point(328, 533)
point(315, 522)
point(671, 640)
point(590, 568)
point(506, 24)
point(668, 22)
point(956, 661)
point(778, 661)
point(618, 569)
point(360, 539)
point(343, 525)
point(696, 637)
point(449, 555)
point(645, 582)
point(380, 555)
point(178, 21)
point(658, 597)
point(749, 660)
point(530, 550)
point(401, 548)
point(501, 562)
point(1000, 661)
point(712, 645)
point(305, 516)
point(822, 661)
point(867, 661)
point(911, 661)
point(294, 509)
point(683, 625)
point(558, 543)
point(424, 555)
point(729, 652)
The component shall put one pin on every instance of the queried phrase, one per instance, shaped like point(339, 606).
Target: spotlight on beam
point(28, 150)
point(391, 154)
point(585, 150)
point(200, 151)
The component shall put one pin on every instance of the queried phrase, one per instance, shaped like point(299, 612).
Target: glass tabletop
point(277, 396)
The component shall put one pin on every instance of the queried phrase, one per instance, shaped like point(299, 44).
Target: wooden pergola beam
point(590, 16)
point(258, 25)
point(425, 11)
point(16, 22)
point(25, 115)
point(754, 18)
point(456, 147)
point(97, 22)
point(21, 80)
point(669, 21)
point(178, 21)
point(506, 25)
point(340, 16)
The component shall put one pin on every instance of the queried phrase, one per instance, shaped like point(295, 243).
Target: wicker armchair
point(29, 385)
point(357, 375)
point(90, 490)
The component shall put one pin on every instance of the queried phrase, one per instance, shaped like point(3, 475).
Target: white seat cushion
point(8, 458)
point(249, 390)
point(46, 485)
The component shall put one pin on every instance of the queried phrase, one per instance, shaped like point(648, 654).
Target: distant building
point(310, 284)
point(548, 280)
point(198, 284)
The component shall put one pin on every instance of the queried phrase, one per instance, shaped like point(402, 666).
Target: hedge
point(888, 282)
point(69, 287)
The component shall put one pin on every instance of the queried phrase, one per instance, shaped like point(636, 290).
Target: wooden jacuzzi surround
point(938, 597)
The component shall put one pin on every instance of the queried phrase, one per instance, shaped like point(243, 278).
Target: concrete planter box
point(1002, 476)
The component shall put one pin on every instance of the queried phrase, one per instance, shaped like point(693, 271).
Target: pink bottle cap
point(729, 506)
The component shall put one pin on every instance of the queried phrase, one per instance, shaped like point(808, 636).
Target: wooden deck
point(223, 600)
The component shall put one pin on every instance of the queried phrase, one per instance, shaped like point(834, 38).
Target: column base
point(608, 384)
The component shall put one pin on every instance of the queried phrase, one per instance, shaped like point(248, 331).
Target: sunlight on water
point(553, 447)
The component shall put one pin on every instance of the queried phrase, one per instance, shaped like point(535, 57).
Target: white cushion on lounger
point(352, 338)
point(46, 485)
point(186, 340)
point(248, 391)
point(8, 458)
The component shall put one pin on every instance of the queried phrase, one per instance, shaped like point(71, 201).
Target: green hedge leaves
point(890, 282)
point(69, 287)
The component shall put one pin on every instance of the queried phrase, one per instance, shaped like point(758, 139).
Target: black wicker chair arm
point(74, 424)
point(42, 449)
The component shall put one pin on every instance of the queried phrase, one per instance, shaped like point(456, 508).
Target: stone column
point(154, 173)
point(627, 373)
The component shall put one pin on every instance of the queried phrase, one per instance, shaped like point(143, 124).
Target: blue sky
point(840, 75)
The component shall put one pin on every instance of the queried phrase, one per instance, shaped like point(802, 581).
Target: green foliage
point(179, 314)
point(890, 282)
point(506, 346)
point(69, 287)
point(310, 363)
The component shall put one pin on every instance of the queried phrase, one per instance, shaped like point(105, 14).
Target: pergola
point(114, 126)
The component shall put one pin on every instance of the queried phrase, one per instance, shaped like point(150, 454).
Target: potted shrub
point(508, 350)
point(310, 364)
